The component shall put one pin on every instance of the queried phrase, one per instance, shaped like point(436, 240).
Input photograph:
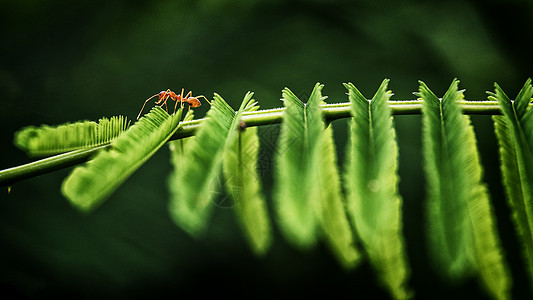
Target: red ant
point(165, 95)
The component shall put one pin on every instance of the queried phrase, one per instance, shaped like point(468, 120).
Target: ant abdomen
point(194, 102)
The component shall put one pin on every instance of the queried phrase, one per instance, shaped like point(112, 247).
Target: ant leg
point(168, 95)
point(182, 99)
point(164, 98)
point(178, 99)
point(145, 105)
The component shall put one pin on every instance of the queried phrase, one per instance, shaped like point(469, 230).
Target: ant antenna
point(145, 104)
point(202, 96)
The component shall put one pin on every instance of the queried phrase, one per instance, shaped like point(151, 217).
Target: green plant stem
point(342, 110)
point(47, 165)
point(257, 118)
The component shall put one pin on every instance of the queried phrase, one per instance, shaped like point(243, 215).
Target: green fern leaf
point(325, 186)
point(327, 189)
point(462, 231)
point(450, 231)
point(308, 193)
point(514, 131)
point(87, 186)
point(194, 185)
point(244, 187)
point(300, 130)
point(48, 140)
point(372, 184)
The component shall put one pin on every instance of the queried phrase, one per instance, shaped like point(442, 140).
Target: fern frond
point(48, 140)
point(300, 130)
point(462, 232)
point(87, 186)
point(244, 187)
point(372, 184)
point(297, 216)
point(195, 181)
point(514, 131)
point(450, 232)
point(333, 215)
point(308, 193)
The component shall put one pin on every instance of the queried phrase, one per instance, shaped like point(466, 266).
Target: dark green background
point(71, 60)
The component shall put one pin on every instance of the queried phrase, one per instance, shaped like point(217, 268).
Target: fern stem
point(256, 118)
point(336, 111)
point(47, 165)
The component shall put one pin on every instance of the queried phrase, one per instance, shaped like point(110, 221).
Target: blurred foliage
point(67, 61)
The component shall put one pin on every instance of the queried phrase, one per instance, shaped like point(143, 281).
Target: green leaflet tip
point(289, 97)
point(316, 94)
point(317, 88)
point(247, 101)
point(251, 105)
point(383, 88)
point(216, 97)
point(353, 92)
point(249, 95)
point(453, 93)
point(453, 88)
point(189, 115)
